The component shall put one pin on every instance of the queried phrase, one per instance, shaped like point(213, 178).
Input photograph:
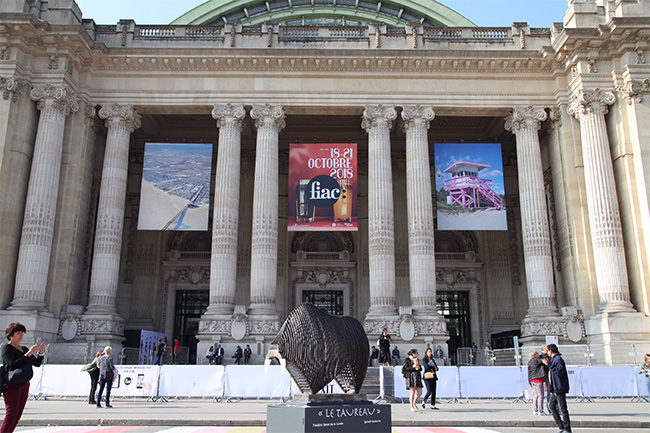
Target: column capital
point(57, 97)
point(268, 115)
point(525, 118)
point(590, 101)
point(229, 113)
point(378, 116)
point(414, 115)
point(13, 86)
point(121, 116)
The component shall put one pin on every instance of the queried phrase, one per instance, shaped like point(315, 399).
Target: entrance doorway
point(454, 306)
point(190, 306)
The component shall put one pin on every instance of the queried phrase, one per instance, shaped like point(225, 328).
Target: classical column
point(223, 262)
point(377, 120)
point(525, 124)
point(121, 121)
point(55, 103)
point(269, 120)
point(422, 256)
point(590, 107)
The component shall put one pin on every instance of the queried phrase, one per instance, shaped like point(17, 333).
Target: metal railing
point(617, 354)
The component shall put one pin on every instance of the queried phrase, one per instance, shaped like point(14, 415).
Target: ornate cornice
point(121, 116)
point(590, 101)
point(632, 91)
point(56, 97)
point(525, 118)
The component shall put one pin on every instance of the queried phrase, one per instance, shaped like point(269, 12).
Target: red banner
point(323, 187)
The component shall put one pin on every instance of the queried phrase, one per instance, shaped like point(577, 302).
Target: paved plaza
point(467, 416)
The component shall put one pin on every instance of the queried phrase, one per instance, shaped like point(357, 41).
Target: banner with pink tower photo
point(470, 191)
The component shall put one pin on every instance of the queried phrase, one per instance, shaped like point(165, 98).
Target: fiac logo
point(324, 191)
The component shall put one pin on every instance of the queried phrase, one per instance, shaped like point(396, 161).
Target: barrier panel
point(136, 381)
point(36, 383)
point(191, 381)
point(63, 381)
point(447, 386)
point(641, 386)
point(251, 381)
point(490, 382)
point(608, 382)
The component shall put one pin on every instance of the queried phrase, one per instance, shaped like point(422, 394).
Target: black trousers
point(94, 379)
point(559, 399)
point(431, 391)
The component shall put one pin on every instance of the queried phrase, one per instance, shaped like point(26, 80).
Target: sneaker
point(535, 413)
point(424, 405)
point(434, 408)
point(99, 406)
point(108, 405)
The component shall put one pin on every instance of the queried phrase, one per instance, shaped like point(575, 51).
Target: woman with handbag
point(412, 372)
point(93, 371)
point(19, 361)
point(430, 378)
point(106, 376)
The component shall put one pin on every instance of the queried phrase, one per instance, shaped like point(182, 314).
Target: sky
point(484, 13)
point(482, 153)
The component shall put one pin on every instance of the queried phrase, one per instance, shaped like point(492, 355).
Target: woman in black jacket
point(430, 366)
point(412, 372)
point(20, 360)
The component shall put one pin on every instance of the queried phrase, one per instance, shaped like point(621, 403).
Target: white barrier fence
point(253, 382)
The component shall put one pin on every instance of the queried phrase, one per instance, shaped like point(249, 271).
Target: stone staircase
point(371, 385)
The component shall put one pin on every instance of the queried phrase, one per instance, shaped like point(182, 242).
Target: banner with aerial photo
point(175, 192)
point(470, 192)
point(323, 187)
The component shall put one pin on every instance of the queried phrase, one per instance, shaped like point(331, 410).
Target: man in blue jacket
point(558, 381)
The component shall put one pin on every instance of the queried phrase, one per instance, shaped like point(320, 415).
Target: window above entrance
point(335, 12)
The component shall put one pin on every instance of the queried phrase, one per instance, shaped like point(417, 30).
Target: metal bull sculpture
point(316, 347)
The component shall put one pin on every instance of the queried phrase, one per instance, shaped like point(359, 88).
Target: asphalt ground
point(503, 415)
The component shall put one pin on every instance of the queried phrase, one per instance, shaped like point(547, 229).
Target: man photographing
point(558, 381)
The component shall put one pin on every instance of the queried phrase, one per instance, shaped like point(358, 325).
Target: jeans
point(537, 392)
point(108, 384)
point(559, 399)
point(647, 383)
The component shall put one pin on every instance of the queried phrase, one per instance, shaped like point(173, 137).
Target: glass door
point(190, 306)
point(454, 306)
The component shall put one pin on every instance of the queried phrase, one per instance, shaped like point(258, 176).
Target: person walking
point(412, 372)
point(536, 374)
point(383, 342)
point(646, 369)
point(93, 371)
point(558, 381)
point(106, 376)
point(430, 378)
point(19, 360)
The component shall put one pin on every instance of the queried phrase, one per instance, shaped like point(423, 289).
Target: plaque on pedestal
point(321, 413)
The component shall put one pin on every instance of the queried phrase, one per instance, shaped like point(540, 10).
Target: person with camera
point(19, 361)
point(430, 378)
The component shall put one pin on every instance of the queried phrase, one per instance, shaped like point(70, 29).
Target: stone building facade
point(80, 100)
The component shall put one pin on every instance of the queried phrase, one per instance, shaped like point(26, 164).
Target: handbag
point(4, 378)
point(109, 376)
point(429, 375)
